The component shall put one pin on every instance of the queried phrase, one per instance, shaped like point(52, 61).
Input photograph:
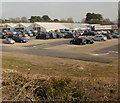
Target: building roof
point(12, 25)
point(75, 25)
point(51, 26)
point(26, 24)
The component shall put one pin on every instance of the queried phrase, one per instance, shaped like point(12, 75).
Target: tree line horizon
point(91, 18)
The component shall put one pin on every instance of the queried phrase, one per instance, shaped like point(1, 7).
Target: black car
point(89, 33)
point(88, 40)
point(78, 41)
point(3, 36)
point(43, 36)
point(69, 35)
point(19, 39)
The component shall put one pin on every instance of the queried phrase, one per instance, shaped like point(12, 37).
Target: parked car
point(19, 39)
point(27, 38)
point(8, 32)
point(43, 36)
point(52, 35)
point(9, 41)
point(29, 33)
point(115, 35)
point(78, 41)
point(69, 35)
point(89, 33)
point(108, 35)
point(118, 34)
point(88, 40)
point(60, 35)
point(100, 38)
point(34, 32)
point(3, 35)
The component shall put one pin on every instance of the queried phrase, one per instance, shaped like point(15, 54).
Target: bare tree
point(70, 20)
point(24, 19)
point(17, 19)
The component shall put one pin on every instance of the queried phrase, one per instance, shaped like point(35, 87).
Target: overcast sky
point(59, 10)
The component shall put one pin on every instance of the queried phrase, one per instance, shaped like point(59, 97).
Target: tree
point(24, 19)
point(35, 19)
point(17, 19)
point(11, 19)
point(70, 20)
point(56, 20)
point(93, 17)
point(94, 21)
point(107, 22)
point(88, 16)
point(63, 20)
point(46, 18)
point(83, 20)
point(98, 16)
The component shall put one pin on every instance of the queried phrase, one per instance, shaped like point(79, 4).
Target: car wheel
point(102, 39)
point(70, 42)
point(89, 42)
point(83, 43)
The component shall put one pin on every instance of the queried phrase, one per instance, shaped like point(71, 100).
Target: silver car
point(100, 38)
point(9, 41)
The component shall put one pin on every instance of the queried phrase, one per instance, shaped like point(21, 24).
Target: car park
point(78, 41)
point(100, 38)
point(9, 41)
point(19, 39)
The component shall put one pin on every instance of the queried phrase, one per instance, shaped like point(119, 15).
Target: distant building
point(22, 26)
point(8, 26)
point(47, 26)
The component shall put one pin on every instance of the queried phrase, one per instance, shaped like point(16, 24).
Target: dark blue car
point(88, 40)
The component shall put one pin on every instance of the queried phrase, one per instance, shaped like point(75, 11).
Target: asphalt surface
point(105, 55)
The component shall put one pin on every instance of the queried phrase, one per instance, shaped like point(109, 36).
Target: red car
point(7, 33)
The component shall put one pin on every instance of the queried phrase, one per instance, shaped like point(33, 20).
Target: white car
point(9, 41)
point(100, 38)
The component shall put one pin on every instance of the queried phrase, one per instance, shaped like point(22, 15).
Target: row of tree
point(46, 18)
point(91, 18)
point(15, 20)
